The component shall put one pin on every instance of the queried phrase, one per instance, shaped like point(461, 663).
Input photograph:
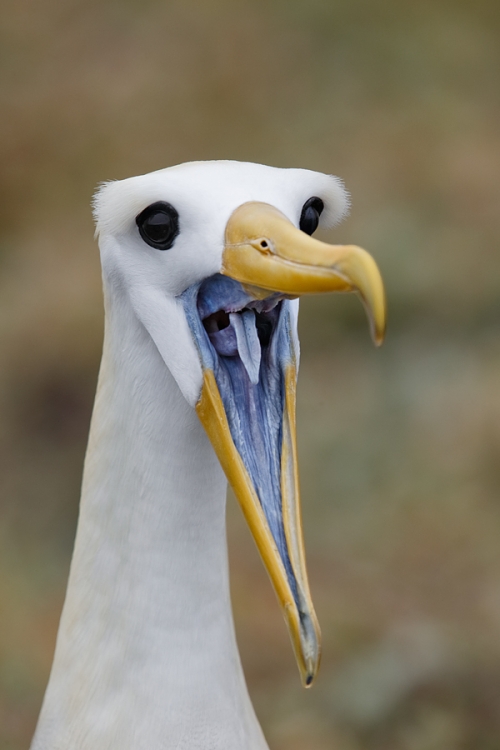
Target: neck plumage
point(146, 655)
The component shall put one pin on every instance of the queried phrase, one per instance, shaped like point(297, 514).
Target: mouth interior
point(220, 320)
point(244, 333)
point(246, 342)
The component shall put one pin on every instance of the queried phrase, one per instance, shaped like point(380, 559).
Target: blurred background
point(399, 448)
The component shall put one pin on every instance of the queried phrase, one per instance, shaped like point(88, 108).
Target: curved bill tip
point(265, 250)
point(374, 299)
point(360, 270)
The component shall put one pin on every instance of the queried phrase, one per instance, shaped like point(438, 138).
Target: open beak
point(247, 402)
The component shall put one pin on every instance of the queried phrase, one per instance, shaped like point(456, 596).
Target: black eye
point(158, 225)
point(311, 211)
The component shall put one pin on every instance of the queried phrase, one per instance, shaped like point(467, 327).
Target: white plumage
point(146, 657)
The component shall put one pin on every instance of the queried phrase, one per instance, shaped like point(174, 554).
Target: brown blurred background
point(400, 448)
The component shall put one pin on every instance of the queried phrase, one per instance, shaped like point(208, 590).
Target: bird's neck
point(146, 654)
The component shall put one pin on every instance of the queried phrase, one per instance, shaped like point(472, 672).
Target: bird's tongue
point(247, 342)
point(246, 345)
point(239, 338)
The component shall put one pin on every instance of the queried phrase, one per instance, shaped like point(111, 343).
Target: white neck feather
point(146, 655)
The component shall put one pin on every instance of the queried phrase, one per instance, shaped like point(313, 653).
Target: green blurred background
point(399, 448)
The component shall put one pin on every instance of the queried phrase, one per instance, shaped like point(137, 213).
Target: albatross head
point(211, 257)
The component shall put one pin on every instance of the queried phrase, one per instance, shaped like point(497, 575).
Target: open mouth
point(243, 333)
point(241, 326)
point(246, 343)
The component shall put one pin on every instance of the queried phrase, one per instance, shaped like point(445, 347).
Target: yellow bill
point(245, 333)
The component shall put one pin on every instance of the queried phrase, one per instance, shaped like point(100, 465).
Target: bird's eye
point(311, 211)
point(158, 225)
